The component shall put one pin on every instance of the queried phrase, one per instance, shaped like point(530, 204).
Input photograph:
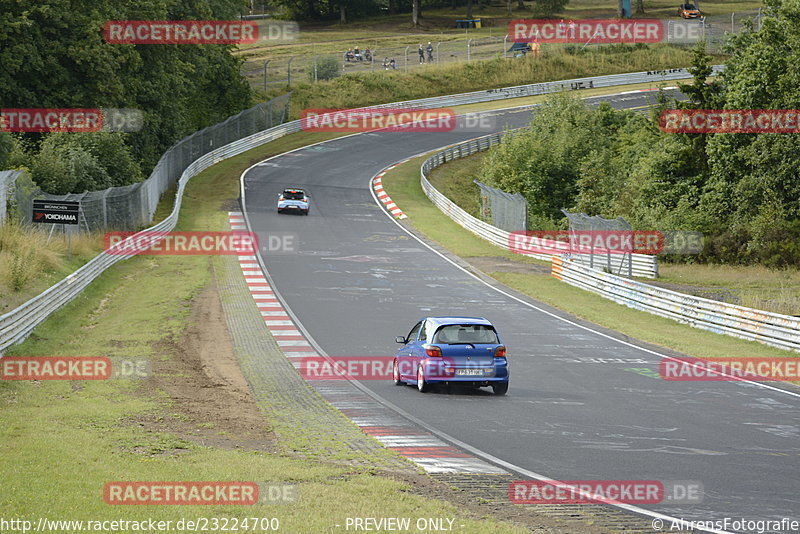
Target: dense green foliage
point(6, 146)
point(53, 55)
point(324, 68)
point(348, 10)
point(741, 190)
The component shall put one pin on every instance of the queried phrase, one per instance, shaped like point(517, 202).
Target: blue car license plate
point(469, 372)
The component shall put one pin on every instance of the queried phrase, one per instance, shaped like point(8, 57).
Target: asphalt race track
point(575, 409)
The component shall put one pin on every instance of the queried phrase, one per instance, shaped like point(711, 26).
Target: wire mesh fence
point(132, 206)
point(7, 179)
point(614, 263)
point(267, 72)
point(503, 210)
point(282, 71)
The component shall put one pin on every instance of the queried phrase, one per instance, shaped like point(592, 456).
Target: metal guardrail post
point(505, 47)
point(437, 51)
point(406, 65)
point(469, 42)
point(265, 74)
point(289, 72)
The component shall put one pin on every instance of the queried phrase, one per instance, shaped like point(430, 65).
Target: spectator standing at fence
point(368, 54)
point(430, 52)
point(421, 54)
point(535, 48)
point(357, 53)
point(386, 63)
point(393, 63)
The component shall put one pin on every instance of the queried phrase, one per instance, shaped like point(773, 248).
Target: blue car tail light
point(432, 351)
point(500, 352)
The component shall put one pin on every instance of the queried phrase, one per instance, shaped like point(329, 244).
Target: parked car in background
point(689, 11)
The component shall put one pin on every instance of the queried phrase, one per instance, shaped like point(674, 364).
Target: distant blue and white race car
point(293, 200)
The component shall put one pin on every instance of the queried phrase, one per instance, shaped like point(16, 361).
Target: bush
point(6, 146)
point(327, 68)
point(78, 162)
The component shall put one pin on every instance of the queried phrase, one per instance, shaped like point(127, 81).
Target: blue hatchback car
point(462, 350)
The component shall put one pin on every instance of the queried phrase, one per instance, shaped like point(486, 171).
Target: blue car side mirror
point(400, 339)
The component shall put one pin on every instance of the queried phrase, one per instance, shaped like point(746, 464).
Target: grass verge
point(31, 260)
point(365, 89)
point(63, 440)
point(402, 184)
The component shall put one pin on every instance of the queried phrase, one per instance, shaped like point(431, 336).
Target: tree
point(543, 163)
point(78, 162)
point(6, 146)
point(53, 56)
point(416, 12)
point(548, 8)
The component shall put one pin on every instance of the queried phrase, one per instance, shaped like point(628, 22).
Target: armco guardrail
point(747, 323)
point(18, 323)
point(642, 265)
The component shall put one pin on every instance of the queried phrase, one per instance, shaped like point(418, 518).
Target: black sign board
point(55, 211)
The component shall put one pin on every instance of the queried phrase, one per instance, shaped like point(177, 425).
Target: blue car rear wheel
point(501, 388)
point(422, 386)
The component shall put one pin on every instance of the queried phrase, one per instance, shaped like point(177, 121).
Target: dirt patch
point(209, 398)
point(499, 264)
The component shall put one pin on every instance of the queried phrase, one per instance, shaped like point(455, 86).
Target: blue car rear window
point(466, 333)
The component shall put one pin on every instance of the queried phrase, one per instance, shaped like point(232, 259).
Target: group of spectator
point(422, 51)
point(354, 54)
